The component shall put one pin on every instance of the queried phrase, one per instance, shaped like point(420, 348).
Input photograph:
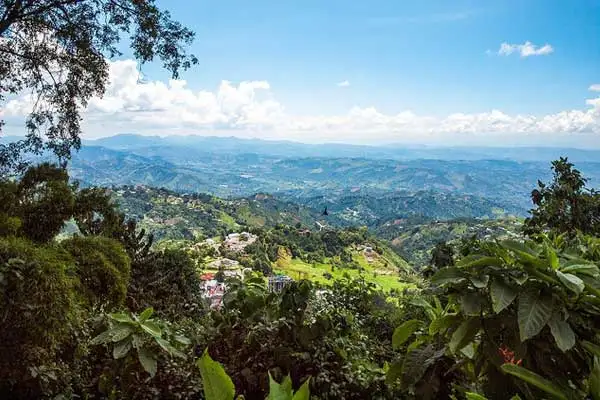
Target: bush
point(103, 268)
point(39, 312)
point(168, 282)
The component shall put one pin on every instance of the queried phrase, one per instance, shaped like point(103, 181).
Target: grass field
point(378, 272)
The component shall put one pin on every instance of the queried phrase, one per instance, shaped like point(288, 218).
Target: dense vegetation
point(104, 313)
point(93, 306)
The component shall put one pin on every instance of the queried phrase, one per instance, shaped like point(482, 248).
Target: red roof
point(207, 277)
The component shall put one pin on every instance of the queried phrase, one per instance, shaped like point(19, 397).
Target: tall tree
point(564, 205)
point(57, 50)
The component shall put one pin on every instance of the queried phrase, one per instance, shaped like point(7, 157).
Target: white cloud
point(595, 87)
point(526, 49)
point(248, 109)
point(343, 84)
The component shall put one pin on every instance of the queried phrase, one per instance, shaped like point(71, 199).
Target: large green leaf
point(121, 348)
point(562, 332)
point(403, 332)
point(535, 309)
point(447, 275)
point(151, 327)
point(502, 295)
point(120, 332)
point(303, 392)
point(524, 254)
point(572, 282)
point(416, 362)
point(104, 337)
point(147, 313)
point(472, 303)
point(591, 347)
point(480, 281)
point(217, 384)
point(585, 269)
point(148, 360)
point(474, 396)
point(441, 324)
point(551, 256)
point(536, 380)
point(481, 261)
point(594, 380)
point(464, 334)
point(120, 317)
point(394, 372)
point(280, 391)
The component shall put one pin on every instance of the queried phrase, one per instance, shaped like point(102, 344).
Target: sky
point(436, 72)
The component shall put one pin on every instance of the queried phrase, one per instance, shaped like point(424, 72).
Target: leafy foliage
point(58, 50)
point(103, 268)
point(565, 205)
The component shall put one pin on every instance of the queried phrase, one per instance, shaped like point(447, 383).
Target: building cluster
point(214, 289)
point(237, 242)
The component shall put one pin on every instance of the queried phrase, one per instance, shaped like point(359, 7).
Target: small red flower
point(509, 356)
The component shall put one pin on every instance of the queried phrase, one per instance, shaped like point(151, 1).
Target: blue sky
point(521, 72)
point(425, 55)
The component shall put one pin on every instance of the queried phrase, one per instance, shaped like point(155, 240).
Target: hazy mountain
point(194, 145)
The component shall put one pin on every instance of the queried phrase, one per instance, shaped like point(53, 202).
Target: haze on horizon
point(512, 73)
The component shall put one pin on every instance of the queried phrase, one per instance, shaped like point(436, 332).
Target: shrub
point(39, 312)
point(103, 268)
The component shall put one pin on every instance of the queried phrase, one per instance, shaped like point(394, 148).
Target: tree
point(442, 256)
point(565, 205)
point(57, 50)
point(43, 201)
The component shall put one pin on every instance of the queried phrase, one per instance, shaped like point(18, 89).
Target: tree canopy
point(58, 50)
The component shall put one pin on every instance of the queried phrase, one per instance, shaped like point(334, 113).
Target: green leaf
point(551, 256)
point(562, 332)
point(120, 332)
point(534, 312)
point(524, 254)
point(403, 332)
point(441, 324)
point(585, 269)
point(594, 380)
point(182, 339)
point(120, 317)
point(121, 348)
point(471, 303)
point(536, 380)
point(152, 328)
point(416, 362)
point(280, 391)
point(217, 384)
point(572, 282)
point(303, 392)
point(447, 275)
point(591, 347)
point(394, 372)
point(502, 295)
point(469, 350)
point(474, 396)
point(480, 261)
point(148, 360)
point(166, 346)
point(464, 334)
point(104, 337)
point(147, 313)
point(479, 281)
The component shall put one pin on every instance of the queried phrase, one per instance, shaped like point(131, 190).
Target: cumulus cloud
point(526, 49)
point(249, 109)
point(343, 84)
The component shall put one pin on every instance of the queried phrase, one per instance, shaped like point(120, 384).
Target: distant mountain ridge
point(284, 148)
